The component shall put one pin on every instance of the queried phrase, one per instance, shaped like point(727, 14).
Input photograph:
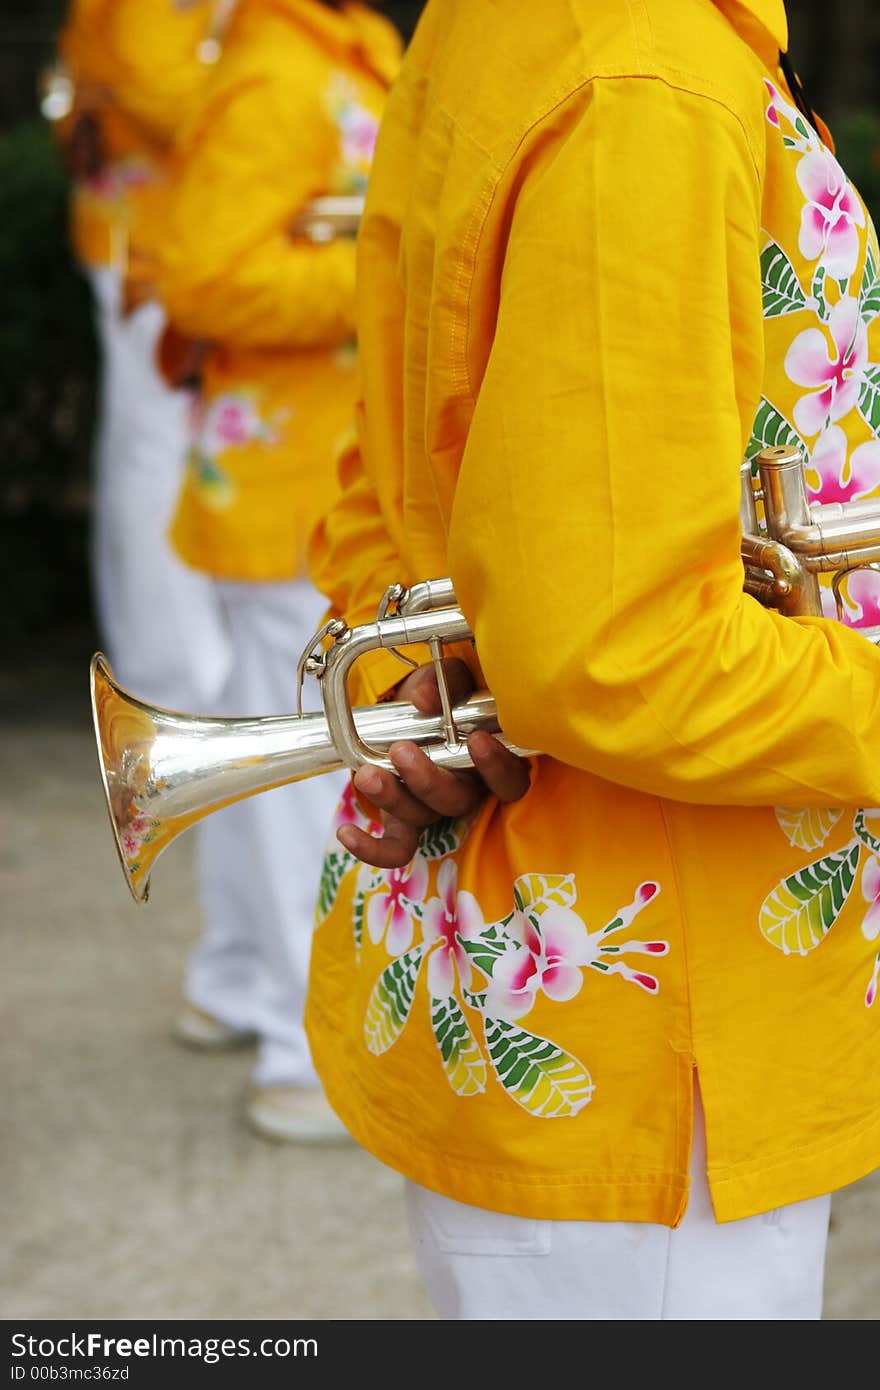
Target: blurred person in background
point(135, 68)
point(261, 321)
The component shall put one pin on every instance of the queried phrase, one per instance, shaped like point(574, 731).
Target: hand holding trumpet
point(423, 792)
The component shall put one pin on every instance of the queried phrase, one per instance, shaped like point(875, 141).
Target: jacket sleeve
point(353, 557)
point(595, 536)
point(228, 268)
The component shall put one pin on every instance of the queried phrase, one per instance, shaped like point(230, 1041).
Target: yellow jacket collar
point(769, 13)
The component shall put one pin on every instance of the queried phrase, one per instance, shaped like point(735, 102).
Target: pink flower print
point(514, 984)
point(607, 953)
point(804, 136)
point(233, 423)
point(348, 812)
point(836, 481)
point(131, 843)
point(359, 131)
point(229, 422)
point(871, 894)
point(777, 103)
point(829, 607)
point(448, 920)
point(836, 380)
point(871, 991)
point(390, 913)
point(871, 920)
point(861, 599)
point(831, 215)
point(551, 956)
point(549, 960)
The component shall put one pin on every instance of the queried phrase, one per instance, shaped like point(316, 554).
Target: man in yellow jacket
point(607, 254)
point(134, 68)
point(291, 115)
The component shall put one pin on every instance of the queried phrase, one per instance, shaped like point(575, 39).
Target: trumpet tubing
point(326, 219)
point(796, 540)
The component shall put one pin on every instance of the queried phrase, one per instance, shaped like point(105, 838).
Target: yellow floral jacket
point(139, 65)
point(291, 114)
point(604, 258)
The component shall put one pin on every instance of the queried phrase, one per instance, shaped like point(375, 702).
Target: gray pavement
point(131, 1187)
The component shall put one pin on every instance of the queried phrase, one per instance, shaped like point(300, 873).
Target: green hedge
point(47, 350)
point(47, 390)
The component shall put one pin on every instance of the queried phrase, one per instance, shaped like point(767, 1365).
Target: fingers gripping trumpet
point(163, 771)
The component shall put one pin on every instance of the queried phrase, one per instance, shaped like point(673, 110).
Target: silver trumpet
point(788, 541)
point(163, 771)
point(327, 219)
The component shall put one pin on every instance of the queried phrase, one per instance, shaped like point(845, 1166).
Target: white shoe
point(294, 1115)
point(195, 1028)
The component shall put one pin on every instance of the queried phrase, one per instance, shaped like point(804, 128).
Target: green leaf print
point(770, 429)
point(781, 291)
point(212, 482)
point(817, 291)
point(869, 397)
point(335, 867)
point(869, 296)
point(463, 1062)
point(492, 942)
point(807, 829)
point(367, 881)
point(540, 891)
point(391, 1000)
point(443, 837)
point(357, 919)
point(538, 1075)
point(803, 908)
point(860, 828)
point(475, 998)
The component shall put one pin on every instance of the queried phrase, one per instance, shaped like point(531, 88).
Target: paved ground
point(130, 1186)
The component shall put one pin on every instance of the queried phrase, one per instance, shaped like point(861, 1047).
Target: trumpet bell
point(163, 771)
point(126, 733)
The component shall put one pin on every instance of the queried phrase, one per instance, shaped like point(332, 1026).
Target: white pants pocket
point(457, 1229)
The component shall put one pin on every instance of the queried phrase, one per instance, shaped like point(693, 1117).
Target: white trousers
point(259, 861)
point(158, 619)
point(479, 1264)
